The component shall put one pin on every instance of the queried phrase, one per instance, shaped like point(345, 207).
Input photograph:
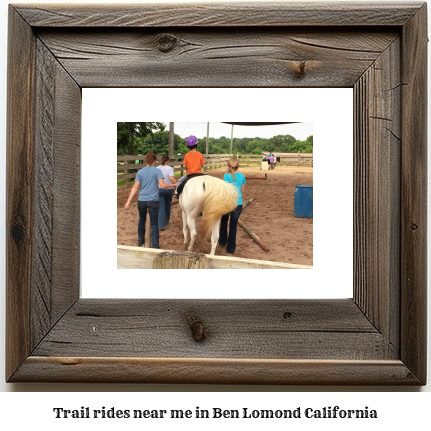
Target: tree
point(216, 150)
point(302, 146)
point(255, 143)
point(182, 148)
point(238, 145)
point(257, 150)
point(281, 143)
point(158, 143)
point(130, 135)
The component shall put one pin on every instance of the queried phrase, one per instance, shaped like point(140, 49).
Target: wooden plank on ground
point(142, 258)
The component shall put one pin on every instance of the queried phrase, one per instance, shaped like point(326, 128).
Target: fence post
point(147, 243)
point(126, 170)
point(180, 260)
point(208, 137)
point(171, 139)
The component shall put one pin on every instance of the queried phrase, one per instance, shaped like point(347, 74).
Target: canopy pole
point(231, 139)
point(208, 137)
point(171, 140)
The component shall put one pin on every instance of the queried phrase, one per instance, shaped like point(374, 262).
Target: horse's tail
point(219, 198)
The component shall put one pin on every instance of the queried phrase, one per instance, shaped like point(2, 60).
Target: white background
point(330, 111)
point(401, 409)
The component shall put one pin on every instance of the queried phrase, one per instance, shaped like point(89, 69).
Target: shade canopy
point(257, 124)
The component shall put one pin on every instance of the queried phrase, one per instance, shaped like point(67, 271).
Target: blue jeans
point(224, 240)
point(181, 180)
point(165, 200)
point(153, 209)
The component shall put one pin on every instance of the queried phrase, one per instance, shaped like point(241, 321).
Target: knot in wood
point(167, 42)
point(300, 69)
point(18, 233)
point(197, 328)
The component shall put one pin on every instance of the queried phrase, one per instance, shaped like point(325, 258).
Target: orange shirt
point(193, 162)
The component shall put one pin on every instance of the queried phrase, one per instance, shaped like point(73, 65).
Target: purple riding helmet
point(191, 141)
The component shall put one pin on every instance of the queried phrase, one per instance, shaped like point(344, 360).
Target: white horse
point(210, 197)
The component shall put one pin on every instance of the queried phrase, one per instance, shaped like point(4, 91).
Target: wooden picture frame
point(376, 338)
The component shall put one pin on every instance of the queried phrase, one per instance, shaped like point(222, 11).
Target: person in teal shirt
point(238, 180)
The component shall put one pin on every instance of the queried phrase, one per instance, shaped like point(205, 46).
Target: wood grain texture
point(57, 194)
point(67, 194)
point(44, 195)
point(142, 258)
point(160, 328)
point(378, 337)
point(180, 260)
point(19, 195)
point(220, 15)
point(215, 371)
point(229, 58)
point(377, 180)
point(414, 229)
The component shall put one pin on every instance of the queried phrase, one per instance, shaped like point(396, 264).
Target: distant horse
point(210, 198)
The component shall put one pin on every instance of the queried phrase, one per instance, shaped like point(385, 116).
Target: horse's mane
point(219, 198)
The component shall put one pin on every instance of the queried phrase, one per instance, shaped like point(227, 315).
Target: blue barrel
point(303, 202)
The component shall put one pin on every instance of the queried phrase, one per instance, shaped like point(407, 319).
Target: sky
point(299, 130)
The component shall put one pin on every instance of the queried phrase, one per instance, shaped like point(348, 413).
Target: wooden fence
point(127, 166)
point(286, 159)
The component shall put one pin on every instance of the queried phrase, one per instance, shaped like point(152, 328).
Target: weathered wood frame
point(378, 337)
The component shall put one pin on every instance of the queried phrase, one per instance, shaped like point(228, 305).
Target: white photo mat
point(330, 111)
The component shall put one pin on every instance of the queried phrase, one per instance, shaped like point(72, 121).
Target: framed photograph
point(293, 242)
point(377, 337)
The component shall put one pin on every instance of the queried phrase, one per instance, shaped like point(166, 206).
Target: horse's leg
point(185, 230)
point(214, 236)
point(193, 232)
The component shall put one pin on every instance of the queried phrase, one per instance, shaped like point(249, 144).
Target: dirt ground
point(269, 216)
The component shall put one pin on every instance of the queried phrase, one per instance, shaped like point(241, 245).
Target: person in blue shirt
point(147, 181)
point(238, 180)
